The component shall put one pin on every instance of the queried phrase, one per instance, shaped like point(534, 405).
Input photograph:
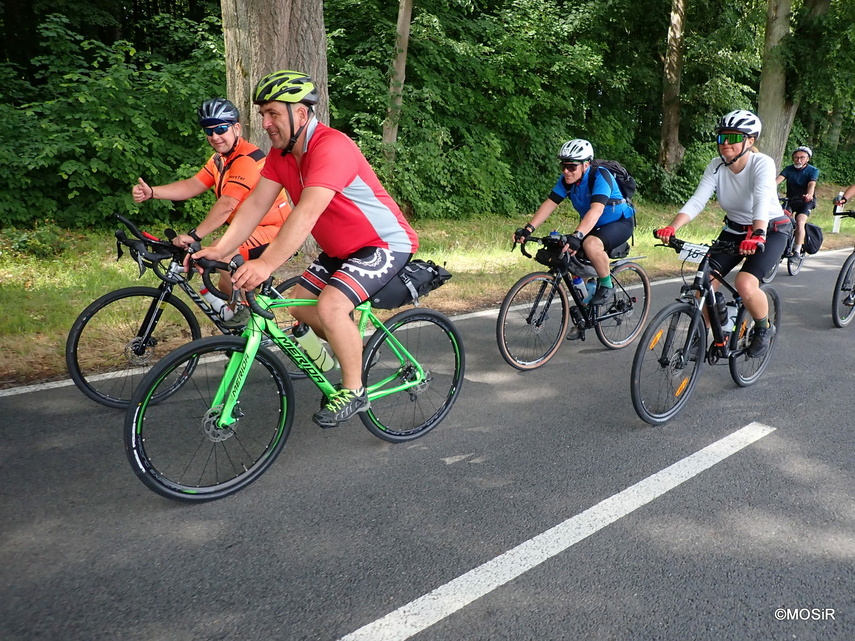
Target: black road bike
point(670, 353)
point(119, 337)
point(537, 311)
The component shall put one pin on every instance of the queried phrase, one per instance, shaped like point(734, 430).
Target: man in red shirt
point(338, 199)
point(232, 172)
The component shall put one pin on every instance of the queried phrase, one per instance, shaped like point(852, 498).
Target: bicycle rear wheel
point(119, 337)
point(431, 341)
point(795, 262)
point(667, 363)
point(533, 320)
point(621, 321)
point(175, 446)
point(745, 370)
point(771, 275)
point(843, 302)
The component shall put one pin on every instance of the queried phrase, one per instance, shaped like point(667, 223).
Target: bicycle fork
point(542, 313)
point(144, 339)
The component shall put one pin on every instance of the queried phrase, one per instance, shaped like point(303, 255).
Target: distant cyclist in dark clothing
point(801, 179)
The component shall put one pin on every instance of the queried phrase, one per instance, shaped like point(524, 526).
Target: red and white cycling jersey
point(361, 213)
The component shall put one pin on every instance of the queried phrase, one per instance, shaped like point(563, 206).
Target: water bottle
point(732, 310)
point(838, 207)
point(591, 288)
point(217, 304)
point(579, 286)
point(313, 347)
point(721, 308)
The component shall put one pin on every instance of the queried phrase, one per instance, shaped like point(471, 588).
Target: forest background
point(460, 105)
point(96, 93)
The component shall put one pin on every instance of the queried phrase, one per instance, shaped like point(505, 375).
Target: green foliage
point(493, 87)
point(97, 117)
point(43, 241)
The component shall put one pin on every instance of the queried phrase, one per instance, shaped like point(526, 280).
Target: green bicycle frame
point(236, 370)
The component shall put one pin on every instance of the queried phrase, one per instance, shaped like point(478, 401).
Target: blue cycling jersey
point(605, 189)
point(798, 179)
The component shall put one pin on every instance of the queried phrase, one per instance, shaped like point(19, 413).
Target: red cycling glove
point(751, 242)
point(665, 234)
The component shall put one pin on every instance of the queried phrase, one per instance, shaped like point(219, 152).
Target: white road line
point(445, 600)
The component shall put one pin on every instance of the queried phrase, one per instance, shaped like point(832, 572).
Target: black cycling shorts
point(359, 276)
point(758, 264)
point(615, 233)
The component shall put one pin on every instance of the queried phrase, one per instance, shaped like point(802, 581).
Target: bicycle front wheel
point(621, 320)
point(533, 321)
point(176, 447)
point(667, 363)
point(430, 342)
point(843, 302)
point(772, 272)
point(745, 370)
point(119, 337)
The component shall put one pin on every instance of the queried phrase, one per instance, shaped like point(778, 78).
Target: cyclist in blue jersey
point(801, 179)
point(606, 216)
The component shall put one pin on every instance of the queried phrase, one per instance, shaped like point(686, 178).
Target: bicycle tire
point(745, 370)
point(663, 377)
point(173, 446)
point(768, 278)
point(843, 301)
point(99, 350)
point(795, 263)
point(433, 342)
point(533, 321)
point(616, 332)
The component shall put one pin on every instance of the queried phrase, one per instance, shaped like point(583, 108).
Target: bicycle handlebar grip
point(209, 265)
point(256, 308)
point(522, 249)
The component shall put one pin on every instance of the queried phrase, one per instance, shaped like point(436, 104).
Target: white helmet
point(576, 150)
point(805, 149)
point(742, 121)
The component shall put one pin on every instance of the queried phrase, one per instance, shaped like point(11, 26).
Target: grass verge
point(42, 296)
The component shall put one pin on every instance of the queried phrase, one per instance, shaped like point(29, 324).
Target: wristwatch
point(192, 233)
point(578, 234)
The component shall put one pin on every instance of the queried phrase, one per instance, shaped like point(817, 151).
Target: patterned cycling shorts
point(359, 276)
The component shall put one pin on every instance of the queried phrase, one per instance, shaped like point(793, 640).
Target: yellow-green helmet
point(286, 86)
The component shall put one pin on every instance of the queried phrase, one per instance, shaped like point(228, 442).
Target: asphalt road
point(543, 508)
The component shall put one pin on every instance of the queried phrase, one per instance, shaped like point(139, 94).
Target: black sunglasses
point(570, 166)
point(219, 130)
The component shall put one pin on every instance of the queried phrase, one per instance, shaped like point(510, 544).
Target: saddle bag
point(417, 278)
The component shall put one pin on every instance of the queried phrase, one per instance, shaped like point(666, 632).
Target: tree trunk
point(776, 108)
point(262, 37)
point(833, 136)
point(396, 85)
point(670, 150)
